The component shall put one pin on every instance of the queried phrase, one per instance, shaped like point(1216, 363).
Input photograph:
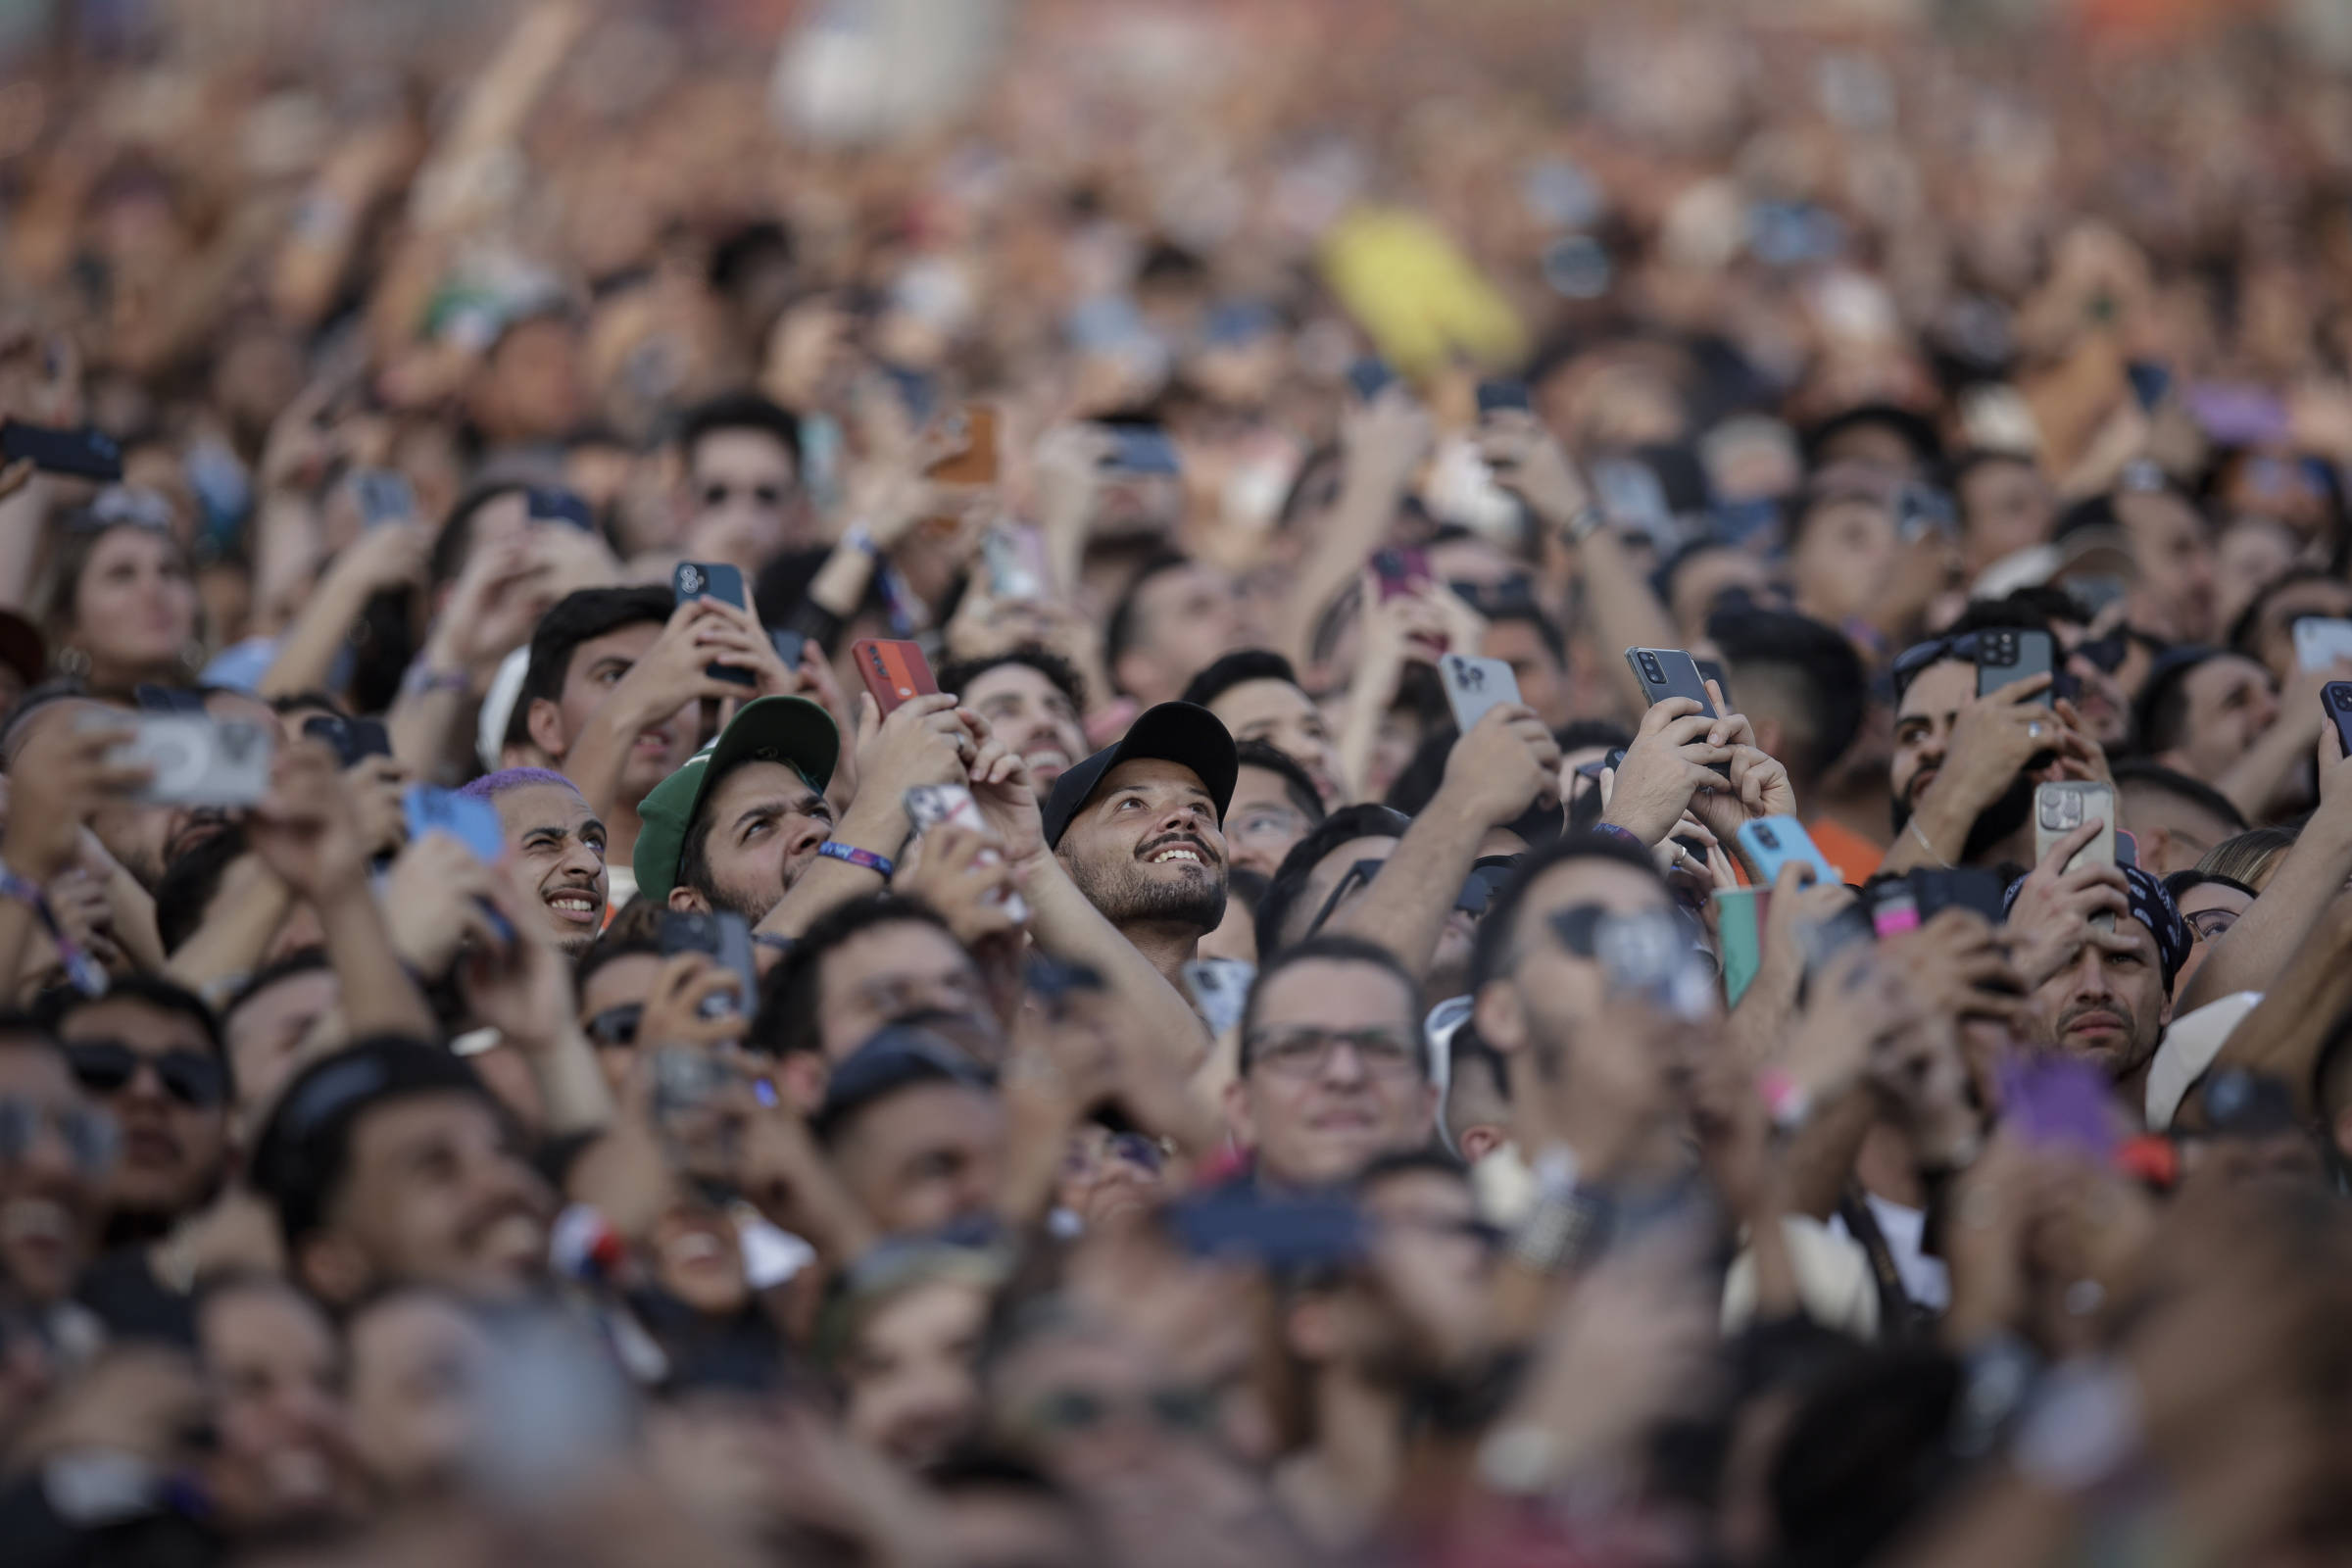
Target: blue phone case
point(1772, 842)
point(471, 822)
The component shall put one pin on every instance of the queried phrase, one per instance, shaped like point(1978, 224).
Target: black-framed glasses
point(1306, 1051)
point(2206, 925)
point(88, 1135)
point(194, 1078)
point(1067, 1412)
point(617, 1026)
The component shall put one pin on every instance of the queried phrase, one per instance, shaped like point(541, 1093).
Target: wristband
point(1625, 833)
point(85, 973)
point(583, 1245)
point(1785, 1097)
point(423, 679)
point(880, 866)
point(1581, 523)
point(858, 537)
point(773, 942)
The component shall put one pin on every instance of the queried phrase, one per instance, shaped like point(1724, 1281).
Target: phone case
point(384, 496)
point(2005, 656)
point(725, 937)
point(974, 460)
point(1740, 914)
point(85, 454)
point(1772, 842)
point(1399, 572)
point(2061, 807)
point(1501, 394)
point(2336, 698)
point(713, 580)
point(197, 759)
point(471, 822)
point(930, 805)
point(554, 504)
point(1668, 673)
point(894, 672)
point(2319, 641)
point(1474, 685)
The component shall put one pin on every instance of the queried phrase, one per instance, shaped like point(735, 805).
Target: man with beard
point(2101, 994)
point(53, 1185)
point(1965, 767)
point(740, 822)
point(1138, 826)
point(1032, 700)
point(390, 1163)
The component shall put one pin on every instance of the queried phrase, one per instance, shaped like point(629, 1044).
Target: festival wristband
point(880, 866)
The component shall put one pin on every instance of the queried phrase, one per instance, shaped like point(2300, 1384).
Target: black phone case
point(2007, 656)
point(2336, 698)
point(84, 454)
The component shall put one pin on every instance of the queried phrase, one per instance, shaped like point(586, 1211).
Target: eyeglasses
point(1069, 1412)
point(88, 1135)
point(2208, 924)
point(765, 495)
point(191, 1077)
point(1306, 1053)
point(1145, 1154)
point(2105, 653)
point(617, 1026)
point(1260, 823)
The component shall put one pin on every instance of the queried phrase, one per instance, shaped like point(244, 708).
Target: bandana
point(2152, 907)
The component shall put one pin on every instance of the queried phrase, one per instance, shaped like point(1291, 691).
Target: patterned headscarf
point(2152, 907)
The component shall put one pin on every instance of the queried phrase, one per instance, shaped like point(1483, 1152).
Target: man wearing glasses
point(1333, 1071)
point(742, 499)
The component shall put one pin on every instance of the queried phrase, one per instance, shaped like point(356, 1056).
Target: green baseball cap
point(792, 730)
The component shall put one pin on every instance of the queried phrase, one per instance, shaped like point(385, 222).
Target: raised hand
point(1506, 764)
point(1670, 760)
point(308, 830)
point(60, 778)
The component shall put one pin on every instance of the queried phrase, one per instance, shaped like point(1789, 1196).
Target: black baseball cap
point(1184, 733)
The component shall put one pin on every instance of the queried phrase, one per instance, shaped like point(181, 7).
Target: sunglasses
point(617, 1026)
point(1068, 1412)
point(191, 1077)
point(765, 495)
point(2105, 653)
point(88, 1135)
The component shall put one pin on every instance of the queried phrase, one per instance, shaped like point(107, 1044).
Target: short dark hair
point(1363, 820)
point(1528, 612)
point(190, 883)
point(1497, 933)
point(583, 615)
point(792, 997)
point(1963, 467)
point(1336, 948)
point(1295, 783)
point(2191, 792)
point(454, 542)
point(1580, 734)
point(957, 675)
point(302, 960)
point(2160, 718)
point(1233, 669)
point(1120, 635)
point(1827, 689)
point(740, 410)
point(55, 1006)
point(2048, 604)
point(612, 949)
point(2241, 630)
point(901, 1056)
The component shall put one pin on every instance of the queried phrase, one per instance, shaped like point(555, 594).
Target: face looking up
point(559, 846)
point(1146, 849)
point(1031, 715)
point(759, 827)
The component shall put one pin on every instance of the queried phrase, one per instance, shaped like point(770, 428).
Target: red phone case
point(893, 671)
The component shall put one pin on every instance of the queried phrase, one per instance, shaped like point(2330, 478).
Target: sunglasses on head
point(190, 1077)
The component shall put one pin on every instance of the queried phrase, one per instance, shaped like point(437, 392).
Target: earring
point(71, 662)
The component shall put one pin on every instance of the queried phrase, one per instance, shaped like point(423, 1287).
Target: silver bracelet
point(1928, 845)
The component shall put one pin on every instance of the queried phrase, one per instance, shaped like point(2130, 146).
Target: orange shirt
point(1854, 855)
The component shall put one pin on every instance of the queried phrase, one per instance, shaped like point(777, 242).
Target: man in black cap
point(1139, 827)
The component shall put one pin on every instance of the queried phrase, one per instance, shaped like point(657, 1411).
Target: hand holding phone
point(194, 760)
point(713, 580)
point(893, 671)
point(1474, 685)
point(1773, 842)
point(2336, 700)
point(973, 430)
point(928, 806)
point(723, 936)
point(2005, 656)
point(83, 453)
point(1670, 672)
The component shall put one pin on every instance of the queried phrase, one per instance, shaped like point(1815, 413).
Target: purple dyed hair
point(492, 785)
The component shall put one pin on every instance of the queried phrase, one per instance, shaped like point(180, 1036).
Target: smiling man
point(1138, 826)
point(737, 824)
point(1032, 700)
point(560, 845)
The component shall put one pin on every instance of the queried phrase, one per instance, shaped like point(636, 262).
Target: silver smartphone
point(196, 760)
point(1474, 685)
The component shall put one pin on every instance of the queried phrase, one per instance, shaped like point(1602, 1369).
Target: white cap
point(2188, 1050)
point(490, 735)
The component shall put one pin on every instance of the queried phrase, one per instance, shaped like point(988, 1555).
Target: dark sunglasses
point(1935, 650)
point(1486, 879)
point(766, 495)
point(617, 1026)
point(2105, 653)
point(190, 1077)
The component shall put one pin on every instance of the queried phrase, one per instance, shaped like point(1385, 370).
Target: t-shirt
point(1855, 856)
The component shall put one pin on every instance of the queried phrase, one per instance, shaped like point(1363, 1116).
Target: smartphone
point(2061, 807)
point(2059, 1103)
point(1015, 563)
point(2007, 656)
point(471, 822)
point(2149, 380)
point(2127, 848)
point(973, 430)
point(384, 496)
point(1055, 980)
point(1772, 842)
point(554, 504)
point(1474, 685)
point(1921, 511)
point(1740, 914)
point(2321, 640)
point(1935, 890)
point(1712, 669)
point(1669, 672)
point(1825, 940)
point(1142, 449)
point(917, 393)
point(1502, 393)
point(2336, 698)
point(1370, 377)
point(893, 671)
point(1284, 1233)
point(150, 697)
point(196, 760)
point(1401, 572)
point(789, 646)
point(724, 935)
point(84, 454)
point(1650, 955)
point(1220, 988)
point(1632, 498)
point(713, 580)
point(930, 805)
point(686, 1080)
point(353, 739)
point(1894, 908)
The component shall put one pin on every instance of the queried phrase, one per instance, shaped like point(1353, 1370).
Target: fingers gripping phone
point(930, 805)
point(2335, 699)
point(894, 672)
point(471, 822)
point(1773, 842)
point(713, 580)
point(723, 936)
point(2059, 808)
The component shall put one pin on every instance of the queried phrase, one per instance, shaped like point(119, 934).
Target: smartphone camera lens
point(1768, 838)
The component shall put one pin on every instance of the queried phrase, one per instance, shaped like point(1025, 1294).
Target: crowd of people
point(900, 784)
